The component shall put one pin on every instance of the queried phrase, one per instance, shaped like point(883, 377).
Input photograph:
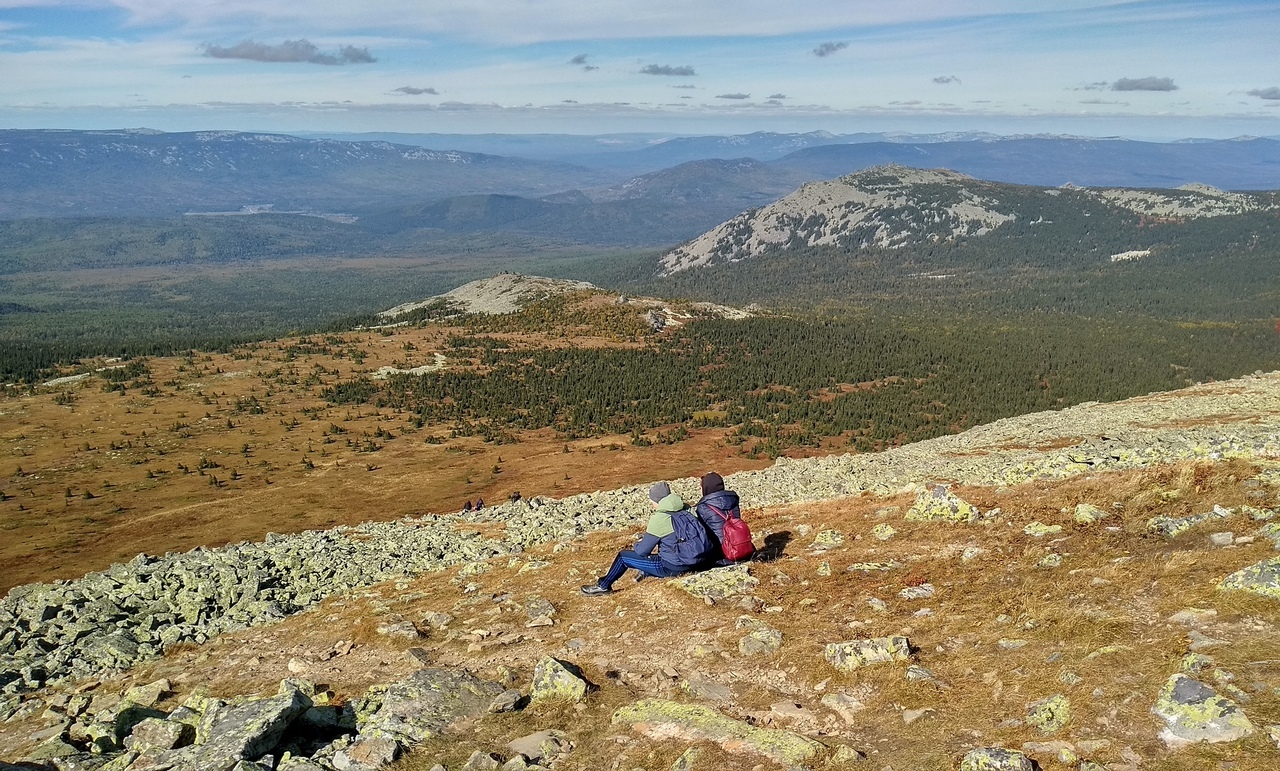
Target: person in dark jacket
point(655, 554)
point(716, 504)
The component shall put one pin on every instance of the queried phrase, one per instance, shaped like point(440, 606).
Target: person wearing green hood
point(681, 541)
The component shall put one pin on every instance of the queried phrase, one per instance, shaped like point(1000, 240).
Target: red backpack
point(736, 541)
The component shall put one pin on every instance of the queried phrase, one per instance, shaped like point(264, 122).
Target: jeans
point(650, 565)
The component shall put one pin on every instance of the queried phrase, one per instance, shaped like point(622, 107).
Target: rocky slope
point(894, 206)
point(1108, 568)
point(508, 293)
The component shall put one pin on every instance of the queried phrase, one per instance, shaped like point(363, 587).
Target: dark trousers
point(650, 565)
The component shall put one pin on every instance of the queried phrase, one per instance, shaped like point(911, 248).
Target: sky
point(1145, 70)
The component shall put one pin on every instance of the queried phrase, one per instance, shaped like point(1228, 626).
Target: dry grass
point(142, 502)
point(1115, 588)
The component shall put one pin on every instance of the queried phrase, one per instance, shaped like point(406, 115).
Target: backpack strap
point(718, 512)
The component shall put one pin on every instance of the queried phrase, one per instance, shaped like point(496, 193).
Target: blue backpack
point(694, 545)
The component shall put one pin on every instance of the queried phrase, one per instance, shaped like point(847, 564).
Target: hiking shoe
point(593, 589)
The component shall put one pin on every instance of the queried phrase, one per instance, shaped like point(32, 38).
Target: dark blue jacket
point(724, 500)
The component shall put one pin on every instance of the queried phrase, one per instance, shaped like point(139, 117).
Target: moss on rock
point(1194, 712)
point(1050, 715)
point(720, 583)
point(662, 719)
point(938, 503)
point(996, 759)
point(1262, 578)
point(854, 654)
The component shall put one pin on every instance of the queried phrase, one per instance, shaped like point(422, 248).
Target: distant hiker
point(466, 508)
point(682, 542)
point(479, 503)
point(515, 497)
point(718, 510)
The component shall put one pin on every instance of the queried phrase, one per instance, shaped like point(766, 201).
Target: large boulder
point(423, 705)
point(661, 719)
point(1194, 712)
point(554, 680)
point(247, 730)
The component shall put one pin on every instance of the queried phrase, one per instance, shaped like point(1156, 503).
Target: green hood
point(671, 504)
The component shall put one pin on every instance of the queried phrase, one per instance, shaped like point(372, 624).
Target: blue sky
point(1140, 69)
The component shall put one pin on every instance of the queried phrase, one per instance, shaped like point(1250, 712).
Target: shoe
point(593, 589)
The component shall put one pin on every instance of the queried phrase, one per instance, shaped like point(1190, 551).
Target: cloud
point(777, 96)
point(411, 91)
point(688, 86)
point(1144, 84)
point(579, 59)
point(943, 80)
point(289, 51)
point(733, 96)
point(828, 48)
point(590, 68)
point(682, 71)
point(1265, 93)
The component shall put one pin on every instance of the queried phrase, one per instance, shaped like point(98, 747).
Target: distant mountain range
point(147, 173)
point(695, 182)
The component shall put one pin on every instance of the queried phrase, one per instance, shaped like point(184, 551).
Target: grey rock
point(155, 733)
point(247, 730)
point(482, 761)
point(553, 680)
point(996, 759)
point(1194, 712)
point(851, 655)
point(706, 690)
point(367, 754)
point(541, 745)
point(423, 705)
point(505, 701)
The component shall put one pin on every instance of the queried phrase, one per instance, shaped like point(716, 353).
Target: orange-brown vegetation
point(1103, 616)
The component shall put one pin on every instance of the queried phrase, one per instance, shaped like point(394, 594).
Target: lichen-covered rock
point(661, 719)
point(760, 641)
point(1194, 712)
point(719, 583)
point(1175, 526)
point(247, 730)
point(423, 705)
point(1262, 578)
point(154, 733)
point(1049, 715)
point(1040, 529)
point(883, 531)
point(827, 539)
point(553, 680)
point(148, 695)
point(1088, 514)
point(938, 503)
point(996, 759)
point(848, 656)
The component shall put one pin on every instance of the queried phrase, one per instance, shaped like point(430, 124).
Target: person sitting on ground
point(682, 542)
point(479, 503)
point(466, 507)
point(716, 507)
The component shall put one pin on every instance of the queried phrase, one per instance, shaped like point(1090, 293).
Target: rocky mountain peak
point(887, 206)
